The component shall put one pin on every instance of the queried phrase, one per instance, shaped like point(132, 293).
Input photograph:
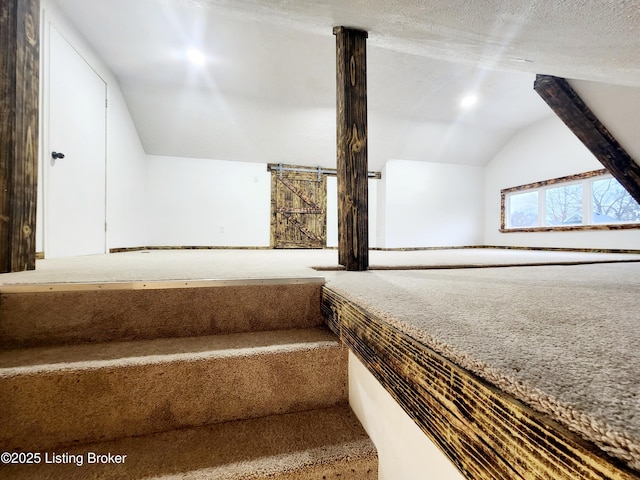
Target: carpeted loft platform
point(562, 339)
point(537, 364)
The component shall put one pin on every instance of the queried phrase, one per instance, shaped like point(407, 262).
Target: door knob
point(56, 155)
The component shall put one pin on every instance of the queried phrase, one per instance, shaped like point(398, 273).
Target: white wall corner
point(404, 451)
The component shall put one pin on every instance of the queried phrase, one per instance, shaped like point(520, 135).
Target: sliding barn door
point(298, 210)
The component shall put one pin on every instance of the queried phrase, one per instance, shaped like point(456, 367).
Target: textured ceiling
point(587, 39)
point(267, 91)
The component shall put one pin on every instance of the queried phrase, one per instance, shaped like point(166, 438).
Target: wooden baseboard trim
point(568, 249)
point(453, 266)
point(184, 247)
point(418, 249)
point(509, 247)
point(40, 255)
point(487, 434)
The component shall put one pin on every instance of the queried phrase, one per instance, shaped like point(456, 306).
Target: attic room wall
point(332, 212)
point(203, 202)
point(209, 194)
point(543, 151)
point(424, 204)
point(617, 107)
point(126, 160)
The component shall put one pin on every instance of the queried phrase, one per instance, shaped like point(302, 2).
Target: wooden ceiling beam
point(570, 108)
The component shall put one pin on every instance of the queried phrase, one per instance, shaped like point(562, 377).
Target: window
point(591, 200)
point(523, 209)
point(564, 205)
point(612, 203)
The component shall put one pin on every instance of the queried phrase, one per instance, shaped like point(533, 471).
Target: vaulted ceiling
point(266, 91)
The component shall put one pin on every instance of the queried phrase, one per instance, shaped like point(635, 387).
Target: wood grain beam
point(572, 110)
point(352, 161)
point(19, 77)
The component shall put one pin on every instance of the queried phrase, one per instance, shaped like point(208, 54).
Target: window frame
point(542, 187)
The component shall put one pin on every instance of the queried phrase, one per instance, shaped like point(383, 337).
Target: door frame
point(44, 188)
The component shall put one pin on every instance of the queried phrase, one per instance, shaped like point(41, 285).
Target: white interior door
point(75, 201)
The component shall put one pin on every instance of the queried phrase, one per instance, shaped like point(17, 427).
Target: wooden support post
point(19, 77)
point(353, 213)
point(568, 105)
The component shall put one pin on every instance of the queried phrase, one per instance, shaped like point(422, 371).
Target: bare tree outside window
point(564, 205)
point(612, 203)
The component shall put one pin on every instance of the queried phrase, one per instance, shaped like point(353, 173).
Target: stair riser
point(95, 316)
point(49, 409)
point(317, 444)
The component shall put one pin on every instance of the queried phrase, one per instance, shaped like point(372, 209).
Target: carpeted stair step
point(61, 395)
point(318, 444)
point(41, 315)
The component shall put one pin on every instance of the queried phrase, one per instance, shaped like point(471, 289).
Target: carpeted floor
point(565, 339)
point(222, 264)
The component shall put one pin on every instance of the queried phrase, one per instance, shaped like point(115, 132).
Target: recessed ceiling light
point(196, 57)
point(468, 101)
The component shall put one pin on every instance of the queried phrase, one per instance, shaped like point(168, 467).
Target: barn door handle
point(56, 155)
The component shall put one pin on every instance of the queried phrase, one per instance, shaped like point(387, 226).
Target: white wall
point(126, 160)
point(201, 202)
point(332, 212)
point(545, 150)
point(617, 107)
point(230, 126)
point(208, 194)
point(424, 204)
point(126, 176)
point(404, 452)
